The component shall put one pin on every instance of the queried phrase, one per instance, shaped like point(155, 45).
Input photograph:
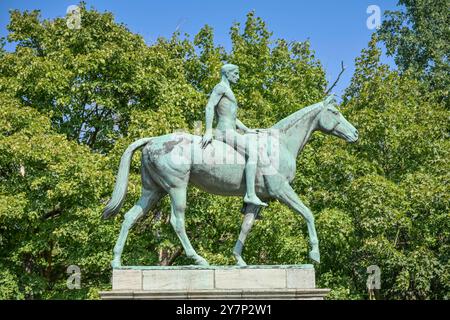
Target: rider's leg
point(246, 145)
point(251, 165)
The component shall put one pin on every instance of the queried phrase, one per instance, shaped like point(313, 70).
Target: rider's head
point(231, 72)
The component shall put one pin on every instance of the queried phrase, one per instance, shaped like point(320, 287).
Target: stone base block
point(221, 282)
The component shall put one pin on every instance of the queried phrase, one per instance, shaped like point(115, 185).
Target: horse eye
point(334, 111)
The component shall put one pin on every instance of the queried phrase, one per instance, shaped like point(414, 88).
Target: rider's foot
point(254, 200)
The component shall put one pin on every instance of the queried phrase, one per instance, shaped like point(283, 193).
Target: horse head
point(331, 121)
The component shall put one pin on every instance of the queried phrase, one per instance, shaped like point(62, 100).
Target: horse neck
point(296, 129)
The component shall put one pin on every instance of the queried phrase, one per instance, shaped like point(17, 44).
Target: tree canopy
point(417, 37)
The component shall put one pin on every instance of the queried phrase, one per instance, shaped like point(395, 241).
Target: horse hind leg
point(148, 199)
point(178, 204)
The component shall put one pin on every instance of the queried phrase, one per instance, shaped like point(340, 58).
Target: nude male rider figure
point(222, 102)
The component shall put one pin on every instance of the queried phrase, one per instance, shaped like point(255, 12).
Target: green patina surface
point(168, 166)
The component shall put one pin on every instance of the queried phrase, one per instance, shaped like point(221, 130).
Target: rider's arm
point(241, 126)
point(214, 99)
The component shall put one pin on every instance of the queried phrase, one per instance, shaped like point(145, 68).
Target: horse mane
point(288, 122)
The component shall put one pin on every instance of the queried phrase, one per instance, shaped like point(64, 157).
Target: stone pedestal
point(215, 282)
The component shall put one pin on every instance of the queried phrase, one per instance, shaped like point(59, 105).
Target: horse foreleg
point(288, 196)
point(178, 204)
point(251, 211)
point(147, 200)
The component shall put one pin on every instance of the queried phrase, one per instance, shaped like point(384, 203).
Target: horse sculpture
point(162, 175)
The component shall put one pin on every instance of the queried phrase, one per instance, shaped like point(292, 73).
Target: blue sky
point(337, 30)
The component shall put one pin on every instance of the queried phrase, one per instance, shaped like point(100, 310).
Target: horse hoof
point(115, 264)
point(315, 255)
point(240, 262)
point(201, 261)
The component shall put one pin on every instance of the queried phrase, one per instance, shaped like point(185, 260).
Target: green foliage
point(392, 187)
point(49, 202)
point(85, 79)
point(72, 100)
point(417, 37)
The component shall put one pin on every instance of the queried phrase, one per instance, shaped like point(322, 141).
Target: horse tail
point(120, 188)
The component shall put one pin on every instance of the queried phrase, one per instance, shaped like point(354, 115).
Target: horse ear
point(330, 99)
